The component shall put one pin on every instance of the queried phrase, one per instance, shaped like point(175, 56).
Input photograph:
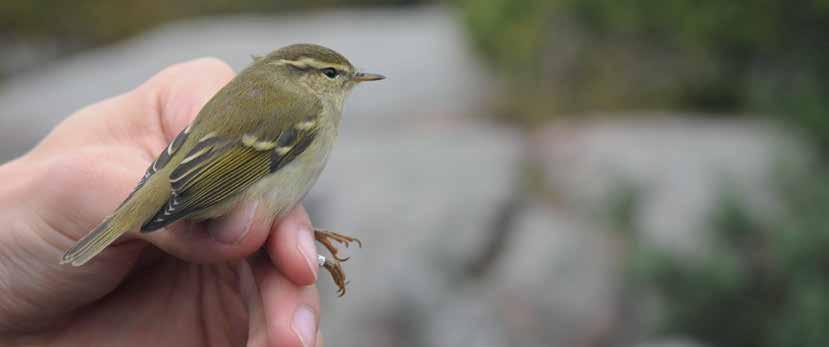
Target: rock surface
point(680, 164)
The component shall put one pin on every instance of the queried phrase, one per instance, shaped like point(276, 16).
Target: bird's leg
point(336, 271)
point(324, 237)
point(333, 266)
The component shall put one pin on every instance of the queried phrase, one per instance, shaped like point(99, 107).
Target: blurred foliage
point(572, 56)
point(91, 22)
point(763, 283)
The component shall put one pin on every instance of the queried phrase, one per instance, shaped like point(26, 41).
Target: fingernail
point(306, 247)
point(305, 325)
point(232, 228)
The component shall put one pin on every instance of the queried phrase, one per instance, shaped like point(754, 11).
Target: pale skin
point(191, 284)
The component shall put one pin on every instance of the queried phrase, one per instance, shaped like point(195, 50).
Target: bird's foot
point(333, 265)
point(336, 271)
point(324, 237)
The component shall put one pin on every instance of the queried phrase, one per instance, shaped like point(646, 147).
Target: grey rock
point(422, 202)
point(680, 164)
point(556, 284)
point(553, 285)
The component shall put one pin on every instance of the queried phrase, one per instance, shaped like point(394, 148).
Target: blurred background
point(532, 172)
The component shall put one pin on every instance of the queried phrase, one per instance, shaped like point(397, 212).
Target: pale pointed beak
point(365, 77)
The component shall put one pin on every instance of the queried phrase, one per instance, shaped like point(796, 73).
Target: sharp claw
point(337, 275)
point(333, 266)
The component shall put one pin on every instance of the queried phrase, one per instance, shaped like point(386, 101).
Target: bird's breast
point(283, 189)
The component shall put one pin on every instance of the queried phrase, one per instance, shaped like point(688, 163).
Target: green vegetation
point(571, 56)
point(763, 283)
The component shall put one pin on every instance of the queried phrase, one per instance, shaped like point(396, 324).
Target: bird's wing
point(218, 167)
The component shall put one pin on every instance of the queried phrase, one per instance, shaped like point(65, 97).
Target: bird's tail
point(129, 216)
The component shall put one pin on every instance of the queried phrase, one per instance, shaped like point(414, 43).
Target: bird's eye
point(330, 72)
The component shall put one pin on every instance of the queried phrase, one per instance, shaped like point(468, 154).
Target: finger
point(319, 338)
point(291, 311)
point(292, 249)
point(249, 288)
point(180, 91)
point(242, 232)
point(152, 114)
point(173, 99)
point(238, 234)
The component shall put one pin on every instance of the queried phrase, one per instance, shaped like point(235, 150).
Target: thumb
point(178, 93)
point(149, 116)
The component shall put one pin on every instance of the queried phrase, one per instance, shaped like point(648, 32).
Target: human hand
point(243, 277)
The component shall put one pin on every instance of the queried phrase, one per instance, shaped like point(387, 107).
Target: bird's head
point(320, 70)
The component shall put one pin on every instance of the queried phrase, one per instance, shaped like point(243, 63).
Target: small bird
point(265, 135)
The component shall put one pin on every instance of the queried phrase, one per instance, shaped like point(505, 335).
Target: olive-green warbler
point(266, 135)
